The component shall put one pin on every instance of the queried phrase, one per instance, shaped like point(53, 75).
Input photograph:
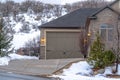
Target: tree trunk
point(117, 62)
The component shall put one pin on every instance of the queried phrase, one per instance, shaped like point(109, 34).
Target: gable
point(116, 6)
point(106, 16)
point(107, 7)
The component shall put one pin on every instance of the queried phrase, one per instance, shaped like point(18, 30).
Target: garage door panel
point(62, 45)
point(60, 41)
point(51, 35)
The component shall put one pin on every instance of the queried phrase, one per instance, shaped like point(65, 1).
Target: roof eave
point(49, 27)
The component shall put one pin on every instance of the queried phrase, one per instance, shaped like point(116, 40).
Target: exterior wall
point(43, 35)
point(105, 16)
point(116, 6)
point(42, 46)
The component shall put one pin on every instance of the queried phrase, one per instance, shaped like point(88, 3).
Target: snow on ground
point(83, 71)
point(5, 60)
point(78, 68)
point(20, 39)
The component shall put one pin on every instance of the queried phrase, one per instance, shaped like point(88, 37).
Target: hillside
point(25, 26)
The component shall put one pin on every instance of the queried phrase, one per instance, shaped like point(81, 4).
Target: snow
point(5, 60)
point(25, 25)
point(83, 71)
point(78, 68)
point(20, 39)
point(108, 70)
point(79, 77)
point(16, 56)
point(17, 26)
point(25, 20)
point(118, 70)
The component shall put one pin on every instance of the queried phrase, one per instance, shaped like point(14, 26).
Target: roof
point(75, 19)
point(78, 18)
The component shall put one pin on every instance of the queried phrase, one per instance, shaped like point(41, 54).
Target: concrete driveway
point(36, 67)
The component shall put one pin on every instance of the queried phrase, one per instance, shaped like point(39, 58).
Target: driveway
point(36, 67)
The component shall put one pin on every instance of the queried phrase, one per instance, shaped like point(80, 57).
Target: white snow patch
point(20, 39)
point(5, 60)
point(16, 56)
point(79, 68)
point(18, 26)
point(108, 70)
point(80, 77)
point(118, 70)
point(82, 71)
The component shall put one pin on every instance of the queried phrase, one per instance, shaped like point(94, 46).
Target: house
point(60, 37)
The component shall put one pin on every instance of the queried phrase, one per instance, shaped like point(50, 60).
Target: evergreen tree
point(99, 57)
point(96, 53)
point(5, 40)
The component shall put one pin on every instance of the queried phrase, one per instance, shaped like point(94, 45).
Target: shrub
point(96, 53)
point(108, 57)
point(98, 57)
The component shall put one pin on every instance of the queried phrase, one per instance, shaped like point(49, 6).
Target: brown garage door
point(62, 45)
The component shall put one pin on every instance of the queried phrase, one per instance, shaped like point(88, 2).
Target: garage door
point(62, 45)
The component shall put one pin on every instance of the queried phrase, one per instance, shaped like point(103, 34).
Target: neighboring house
point(60, 37)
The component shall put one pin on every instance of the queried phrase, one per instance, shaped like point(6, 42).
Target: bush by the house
point(98, 57)
point(108, 57)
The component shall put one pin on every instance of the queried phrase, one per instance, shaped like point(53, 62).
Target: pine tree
point(5, 40)
point(99, 57)
point(96, 53)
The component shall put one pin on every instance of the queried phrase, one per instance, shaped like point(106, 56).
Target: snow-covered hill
point(25, 25)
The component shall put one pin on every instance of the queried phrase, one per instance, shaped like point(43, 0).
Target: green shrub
point(108, 57)
point(98, 57)
point(96, 53)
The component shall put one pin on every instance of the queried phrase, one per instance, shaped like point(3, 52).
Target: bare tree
point(94, 3)
point(57, 10)
point(33, 46)
point(86, 4)
point(7, 7)
point(116, 48)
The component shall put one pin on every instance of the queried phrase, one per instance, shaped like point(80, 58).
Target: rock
point(100, 71)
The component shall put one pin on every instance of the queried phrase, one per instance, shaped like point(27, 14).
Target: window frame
point(107, 28)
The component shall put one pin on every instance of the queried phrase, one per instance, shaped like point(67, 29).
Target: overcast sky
point(52, 1)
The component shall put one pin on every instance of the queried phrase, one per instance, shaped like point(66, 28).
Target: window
point(106, 32)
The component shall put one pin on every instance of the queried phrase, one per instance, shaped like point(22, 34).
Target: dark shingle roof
point(74, 19)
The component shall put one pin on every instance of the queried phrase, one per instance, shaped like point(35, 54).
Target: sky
point(53, 1)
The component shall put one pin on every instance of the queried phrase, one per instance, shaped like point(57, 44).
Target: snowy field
point(5, 60)
point(83, 71)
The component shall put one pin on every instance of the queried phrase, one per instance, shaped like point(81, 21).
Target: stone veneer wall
point(42, 47)
point(105, 16)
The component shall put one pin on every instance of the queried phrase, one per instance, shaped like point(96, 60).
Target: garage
point(60, 37)
point(62, 45)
